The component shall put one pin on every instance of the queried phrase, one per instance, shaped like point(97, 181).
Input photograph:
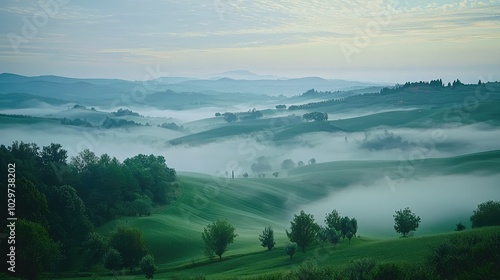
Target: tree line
point(61, 201)
point(304, 231)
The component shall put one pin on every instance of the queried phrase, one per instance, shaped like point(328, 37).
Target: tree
point(68, 219)
point(300, 163)
point(316, 116)
point(354, 226)
point(230, 117)
point(276, 174)
point(486, 214)
point(32, 204)
point(328, 234)
point(460, 227)
point(267, 238)
point(345, 226)
point(93, 249)
point(405, 221)
point(312, 161)
point(332, 220)
point(287, 164)
point(35, 251)
point(113, 260)
point(291, 248)
point(262, 165)
point(217, 236)
point(129, 243)
point(349, 236)
point(303, 230)
point(148, 266)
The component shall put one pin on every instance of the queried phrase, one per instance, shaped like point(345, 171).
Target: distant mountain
point(287, 87)
point(24, 100)
point(112, 91)
point(240, 75)
point(75, 90)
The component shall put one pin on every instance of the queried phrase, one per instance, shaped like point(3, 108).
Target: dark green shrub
point(467, 257)
point(391, 271)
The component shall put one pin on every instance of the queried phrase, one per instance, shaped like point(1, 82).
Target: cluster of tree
point(312, 92)
point(112, 123)
point(125, 112)
point(61, 202)
point(124, 249)
point(77, 106)
point(288, 163)
point(281, 107)
point(251, 115)
point(315, 116)
point(262, 165)
point(304, 230)
point(232, 117)
point(463, 256)
point(111, 188)
point(76, 122)
point(433, 84)
point(313, 105)
point(171, 126)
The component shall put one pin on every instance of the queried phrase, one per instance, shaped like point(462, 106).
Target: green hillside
point(173, 233)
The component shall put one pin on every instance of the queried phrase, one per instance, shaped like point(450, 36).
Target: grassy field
point(173, 233)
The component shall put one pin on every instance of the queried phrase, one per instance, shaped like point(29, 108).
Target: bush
point(360, 269)
point(309, 270)
point(389, 271)
point(467, 257)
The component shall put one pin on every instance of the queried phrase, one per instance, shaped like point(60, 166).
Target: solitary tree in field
point(267, 238)
point(405, 221)
point(303, 230)
point(291, 248)
point(217, 236)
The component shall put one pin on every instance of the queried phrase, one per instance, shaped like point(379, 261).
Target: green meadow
point(173, 233)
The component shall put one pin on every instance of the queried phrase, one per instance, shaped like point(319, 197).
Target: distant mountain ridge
point(89, 90)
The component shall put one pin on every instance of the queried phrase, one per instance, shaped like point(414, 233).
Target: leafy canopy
point(405, 221)
point(217, 236)
point(303, 230)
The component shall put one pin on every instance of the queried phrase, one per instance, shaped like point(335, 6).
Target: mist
point(240, 152)
point(440, 201)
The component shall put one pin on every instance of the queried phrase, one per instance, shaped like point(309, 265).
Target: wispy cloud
point(143, 32)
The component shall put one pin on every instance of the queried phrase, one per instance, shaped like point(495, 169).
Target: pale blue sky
point(407, 40)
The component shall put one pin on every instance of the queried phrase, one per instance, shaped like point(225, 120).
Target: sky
point(375, 41)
